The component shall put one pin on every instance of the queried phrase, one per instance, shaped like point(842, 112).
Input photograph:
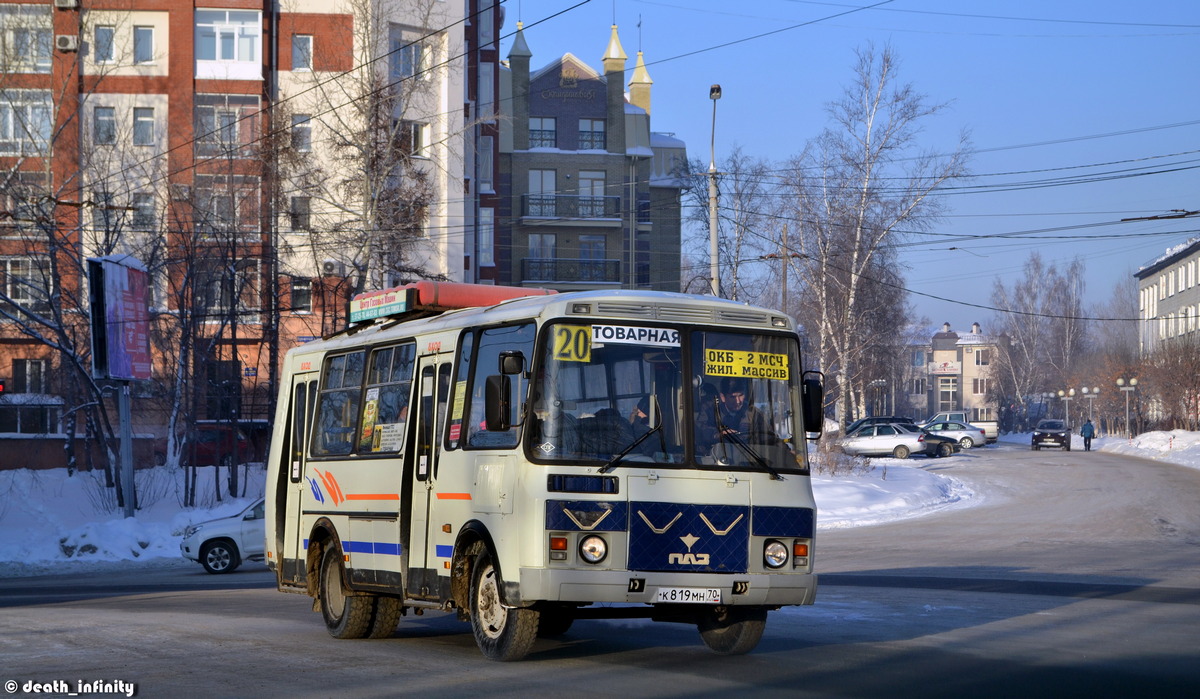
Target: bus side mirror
point(812, 400)
point(497, 394)
point(512, 362)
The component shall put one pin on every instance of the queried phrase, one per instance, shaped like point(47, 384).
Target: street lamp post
point(1126, 390)
point(1091, 397)
point(1066, 397)
point(714, 269)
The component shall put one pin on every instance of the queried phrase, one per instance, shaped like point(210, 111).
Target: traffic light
point(1, 387)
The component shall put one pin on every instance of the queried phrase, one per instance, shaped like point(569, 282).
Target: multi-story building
point(262, 161)
point(1168, 296)
point(590, 195)
point(952, 372)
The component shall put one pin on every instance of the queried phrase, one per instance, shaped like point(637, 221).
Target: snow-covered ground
point(46, 514)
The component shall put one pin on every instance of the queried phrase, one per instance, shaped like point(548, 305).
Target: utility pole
point(783, 268)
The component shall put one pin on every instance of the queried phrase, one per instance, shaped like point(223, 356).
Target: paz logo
point(689, 558)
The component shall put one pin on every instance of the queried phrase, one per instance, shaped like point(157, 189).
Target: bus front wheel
point(732, 630)
point(346, 614)
point(502, 633)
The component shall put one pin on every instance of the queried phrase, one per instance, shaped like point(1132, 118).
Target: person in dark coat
point(1087, 432)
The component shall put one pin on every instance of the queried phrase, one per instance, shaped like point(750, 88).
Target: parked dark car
point(935, 444)
point(1052, 433)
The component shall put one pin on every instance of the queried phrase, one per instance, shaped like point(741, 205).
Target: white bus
point(531, 461)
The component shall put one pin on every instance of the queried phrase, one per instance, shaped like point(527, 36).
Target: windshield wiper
point(736, 439)
point(612, 463)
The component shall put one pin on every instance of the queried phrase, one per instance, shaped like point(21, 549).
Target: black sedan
point(1051, 433)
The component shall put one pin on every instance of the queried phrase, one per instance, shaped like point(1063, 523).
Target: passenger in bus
point(604, 434)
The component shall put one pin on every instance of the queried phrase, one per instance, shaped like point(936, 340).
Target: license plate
point(688, 595)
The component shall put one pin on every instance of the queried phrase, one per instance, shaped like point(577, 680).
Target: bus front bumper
point(621, 586)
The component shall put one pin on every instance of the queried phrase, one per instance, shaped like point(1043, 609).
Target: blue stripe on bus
point(445, 551)
point(382, 548)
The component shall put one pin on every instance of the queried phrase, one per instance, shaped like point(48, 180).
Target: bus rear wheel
point(732, 630)
point(346, 614)
point(502, 633)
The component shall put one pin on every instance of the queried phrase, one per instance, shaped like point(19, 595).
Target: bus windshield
point(719, 399)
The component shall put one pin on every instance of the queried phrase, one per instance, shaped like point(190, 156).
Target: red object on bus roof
point(444, 296)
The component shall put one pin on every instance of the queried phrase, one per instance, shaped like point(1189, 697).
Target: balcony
point(570, 206)
point(567, 270)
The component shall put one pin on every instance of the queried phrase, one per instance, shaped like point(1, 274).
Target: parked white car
point(220, 545)
point(965, 434)
point(883, 440)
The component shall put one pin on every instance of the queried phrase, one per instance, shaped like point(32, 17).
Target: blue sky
point(1097, 90)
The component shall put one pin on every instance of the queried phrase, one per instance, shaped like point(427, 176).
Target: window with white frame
point(486, 162)
point(487, 33)
point(29, 376)
point(301, 295)
point(104, 126)
point(409, 59)
point(226, 125)
point(542, 199)
point(983, 356)
point(487, 237)
point(143, 126)
point(27, 282)
point(143, 44)
point(591, 193)
point(918, 386)
point(979, 386)
point(412, 137)
point(26, 122)
point(222, 290)
point(302, 132)
point(229, 44)
point(103, 44)
point(26, 38)
point(485, 102)
point(302, 52)
point(145, 211)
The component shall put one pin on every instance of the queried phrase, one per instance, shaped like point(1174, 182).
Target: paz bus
point(524, 458)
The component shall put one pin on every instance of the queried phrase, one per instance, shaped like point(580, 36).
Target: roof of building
point(1172, 255)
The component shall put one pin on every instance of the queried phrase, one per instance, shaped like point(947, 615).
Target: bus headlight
point(593, 549)
point(775, 554)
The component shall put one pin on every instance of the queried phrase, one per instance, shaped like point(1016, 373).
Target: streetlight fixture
point(1126, 390)
point(1095, 391)
point(714, 94)
point(1066, 397)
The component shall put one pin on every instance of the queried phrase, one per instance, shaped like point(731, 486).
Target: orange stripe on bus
point(454, 496)
point(373, 496)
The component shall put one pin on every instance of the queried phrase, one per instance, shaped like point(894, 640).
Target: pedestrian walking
point(1087, 432)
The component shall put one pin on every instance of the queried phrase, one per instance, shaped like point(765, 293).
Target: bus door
point(293, 554)
point(430, 405)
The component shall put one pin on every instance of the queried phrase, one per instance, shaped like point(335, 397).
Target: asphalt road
point(1076, 574)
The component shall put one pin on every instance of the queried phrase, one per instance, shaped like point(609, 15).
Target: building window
point(26, 39)
point(302, 132)
point(26, 122)
point(981, 415)
point(542, 132)
point(29, 418)
point(103, 212)
point(487, 91)
point(591, 193)
point(302, 52)
point(591, 257)
point(541, 193)
point(301, 213)
point(487, 237)
point(301, 295)
point(226, 125)
point(228, 35)
point(143, 126)
point(486, 163)
point(145, 215)
point(102, 43)
point(29, 376)
point(487, 33)
point(143, 44)
point(409, 60)
point(979, 386)
point(983, 356)
point(26, 283)
point(918, 387)
point(412, 137)
point(947, 393)
point(220, 289)
point(918, 358)
point(542, 251)
point(227, 204)
point(591, 134)
point(104, 126)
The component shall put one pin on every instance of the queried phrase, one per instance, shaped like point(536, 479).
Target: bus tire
point(732, 630)
point(347, 615)
point(387, 616)
point(502, 633)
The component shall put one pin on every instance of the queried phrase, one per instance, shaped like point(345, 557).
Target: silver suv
point(220, 545)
